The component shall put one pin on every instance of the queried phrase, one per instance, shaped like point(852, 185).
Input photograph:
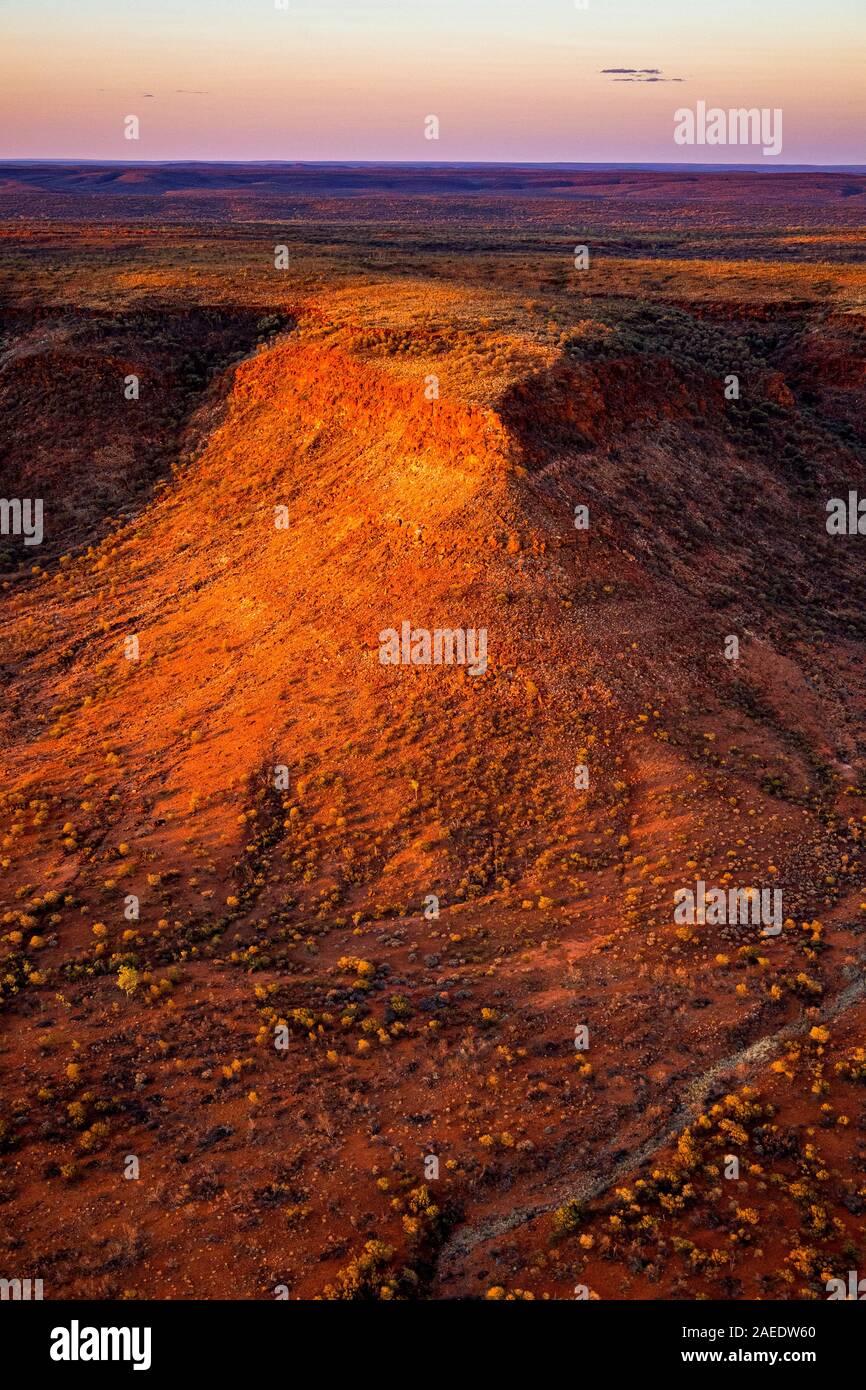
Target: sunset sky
point(355, 79)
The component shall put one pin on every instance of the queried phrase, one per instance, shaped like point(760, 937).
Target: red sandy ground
point(452, 1036)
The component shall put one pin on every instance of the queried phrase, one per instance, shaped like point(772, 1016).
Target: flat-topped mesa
point(359, 395)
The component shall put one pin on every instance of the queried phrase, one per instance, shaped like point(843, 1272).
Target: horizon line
point(650, 165)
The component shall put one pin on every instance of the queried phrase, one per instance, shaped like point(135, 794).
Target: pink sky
point(355, 79)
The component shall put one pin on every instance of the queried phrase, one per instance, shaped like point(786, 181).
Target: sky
point(507, 80)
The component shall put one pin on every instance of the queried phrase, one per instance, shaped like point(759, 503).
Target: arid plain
point(311, 937)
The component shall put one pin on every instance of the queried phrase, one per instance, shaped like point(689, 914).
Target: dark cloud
point(638, 75)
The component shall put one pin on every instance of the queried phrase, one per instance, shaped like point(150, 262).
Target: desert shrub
point(568, 1217)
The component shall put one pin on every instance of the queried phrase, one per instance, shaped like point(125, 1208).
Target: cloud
point(189, 92)
point(638, 75)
